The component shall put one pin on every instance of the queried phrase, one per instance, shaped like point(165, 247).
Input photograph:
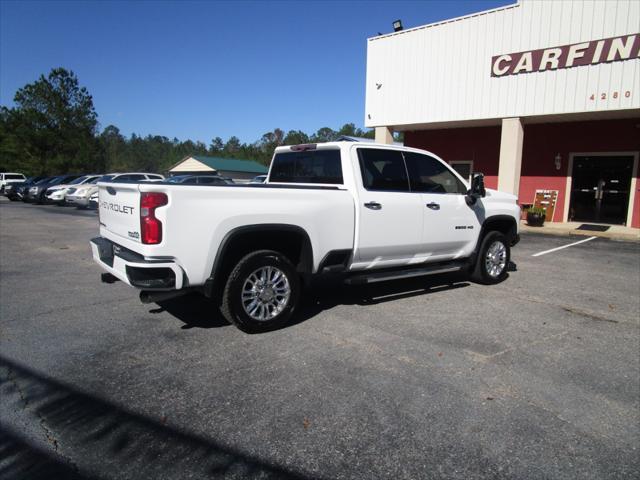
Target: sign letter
point(497, 70)
point(576, 51)
point(550, 56)
point(598, 52)
point(525, 64)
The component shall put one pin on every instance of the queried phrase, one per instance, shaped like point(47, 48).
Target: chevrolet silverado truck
point(361, 213)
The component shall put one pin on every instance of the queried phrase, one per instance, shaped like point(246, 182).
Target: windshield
point(57, 180)
point(105, 178)
point(44, 180)
point(79, 180)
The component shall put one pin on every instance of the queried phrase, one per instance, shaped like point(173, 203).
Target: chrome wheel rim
point(496, 259)
point(265, 293)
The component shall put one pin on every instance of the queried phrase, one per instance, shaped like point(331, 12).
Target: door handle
point(433, 206)
point(373, 205)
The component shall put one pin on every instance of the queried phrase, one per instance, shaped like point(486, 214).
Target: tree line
point(53, 129)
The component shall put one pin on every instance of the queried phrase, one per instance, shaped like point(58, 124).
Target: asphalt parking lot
point(538, 377)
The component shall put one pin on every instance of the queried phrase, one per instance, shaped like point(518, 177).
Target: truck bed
point(210, 212)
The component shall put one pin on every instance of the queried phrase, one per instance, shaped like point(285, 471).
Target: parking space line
point(564, 246)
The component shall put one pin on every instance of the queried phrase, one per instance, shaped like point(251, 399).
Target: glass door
point(600, 189)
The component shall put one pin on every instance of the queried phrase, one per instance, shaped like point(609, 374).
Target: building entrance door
point(600, 188)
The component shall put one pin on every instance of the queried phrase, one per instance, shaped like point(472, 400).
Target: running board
point(373, 277)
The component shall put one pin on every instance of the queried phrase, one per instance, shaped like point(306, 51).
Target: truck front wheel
point(261, 292)
point(492, 260)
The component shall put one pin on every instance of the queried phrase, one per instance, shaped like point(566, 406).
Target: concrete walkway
point(615, 232)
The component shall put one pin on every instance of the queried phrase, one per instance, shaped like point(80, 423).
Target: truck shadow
point(196, 311)
point(327, 295)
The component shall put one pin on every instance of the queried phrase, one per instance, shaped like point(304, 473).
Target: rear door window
point(428, 175)
point(383, 170)
point(311, 166)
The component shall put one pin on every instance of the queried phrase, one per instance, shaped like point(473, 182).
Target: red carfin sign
point(615, 49)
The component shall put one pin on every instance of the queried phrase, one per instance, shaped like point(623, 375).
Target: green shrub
point(537, 210)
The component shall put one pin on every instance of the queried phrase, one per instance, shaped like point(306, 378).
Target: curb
point(565, 232)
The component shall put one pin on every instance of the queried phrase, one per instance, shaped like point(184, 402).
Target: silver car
point(81, 196)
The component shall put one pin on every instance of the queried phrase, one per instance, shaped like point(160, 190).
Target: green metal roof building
point(227, 167)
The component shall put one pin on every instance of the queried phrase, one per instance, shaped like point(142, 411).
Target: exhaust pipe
point(147, 296)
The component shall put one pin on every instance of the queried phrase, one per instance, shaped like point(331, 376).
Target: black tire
point(232, 303)
point(481, 273)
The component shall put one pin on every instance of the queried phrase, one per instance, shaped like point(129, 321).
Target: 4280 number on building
point(614, 95)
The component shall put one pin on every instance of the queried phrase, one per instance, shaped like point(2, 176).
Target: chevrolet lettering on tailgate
point(116, 207)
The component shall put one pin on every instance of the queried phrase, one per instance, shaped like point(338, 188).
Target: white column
point(384, 135)
point(511, 141)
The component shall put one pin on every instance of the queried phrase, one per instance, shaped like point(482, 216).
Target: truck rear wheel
point(261, 292)
point(493, 258)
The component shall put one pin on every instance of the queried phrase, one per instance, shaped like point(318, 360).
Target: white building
point(539, 96)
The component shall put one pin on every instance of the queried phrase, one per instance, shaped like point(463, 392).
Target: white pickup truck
point(362, 212)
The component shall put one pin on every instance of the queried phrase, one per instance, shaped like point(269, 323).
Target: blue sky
point(203, 69)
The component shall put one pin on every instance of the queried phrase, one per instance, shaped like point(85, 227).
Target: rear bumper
point(134, 270)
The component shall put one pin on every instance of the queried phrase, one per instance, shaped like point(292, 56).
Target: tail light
point(150, 226)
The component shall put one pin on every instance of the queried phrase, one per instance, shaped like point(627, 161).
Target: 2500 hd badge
point(116, 208)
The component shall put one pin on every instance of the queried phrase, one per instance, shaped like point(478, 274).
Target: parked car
point(57, 193)
point(36, 193)
point(17, 191)
point(81, 196)
point(31, 190)
point(10, 178)
point(361, 213)
point(13, 191)
point(93, 201)
point(259, 179)
point(200, 180)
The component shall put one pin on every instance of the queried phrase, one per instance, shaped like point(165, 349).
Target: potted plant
point(536, 216)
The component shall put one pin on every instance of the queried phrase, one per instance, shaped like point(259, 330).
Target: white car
point(57, 194)
point(361, 212)
point(81, 196)
point(9, 178)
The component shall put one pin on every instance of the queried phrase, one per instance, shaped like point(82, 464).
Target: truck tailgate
point(119, 209)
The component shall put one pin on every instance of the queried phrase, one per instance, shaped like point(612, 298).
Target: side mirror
point(477, 189)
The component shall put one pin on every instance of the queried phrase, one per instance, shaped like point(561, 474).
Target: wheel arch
point(292, 241)
point(504, 224)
